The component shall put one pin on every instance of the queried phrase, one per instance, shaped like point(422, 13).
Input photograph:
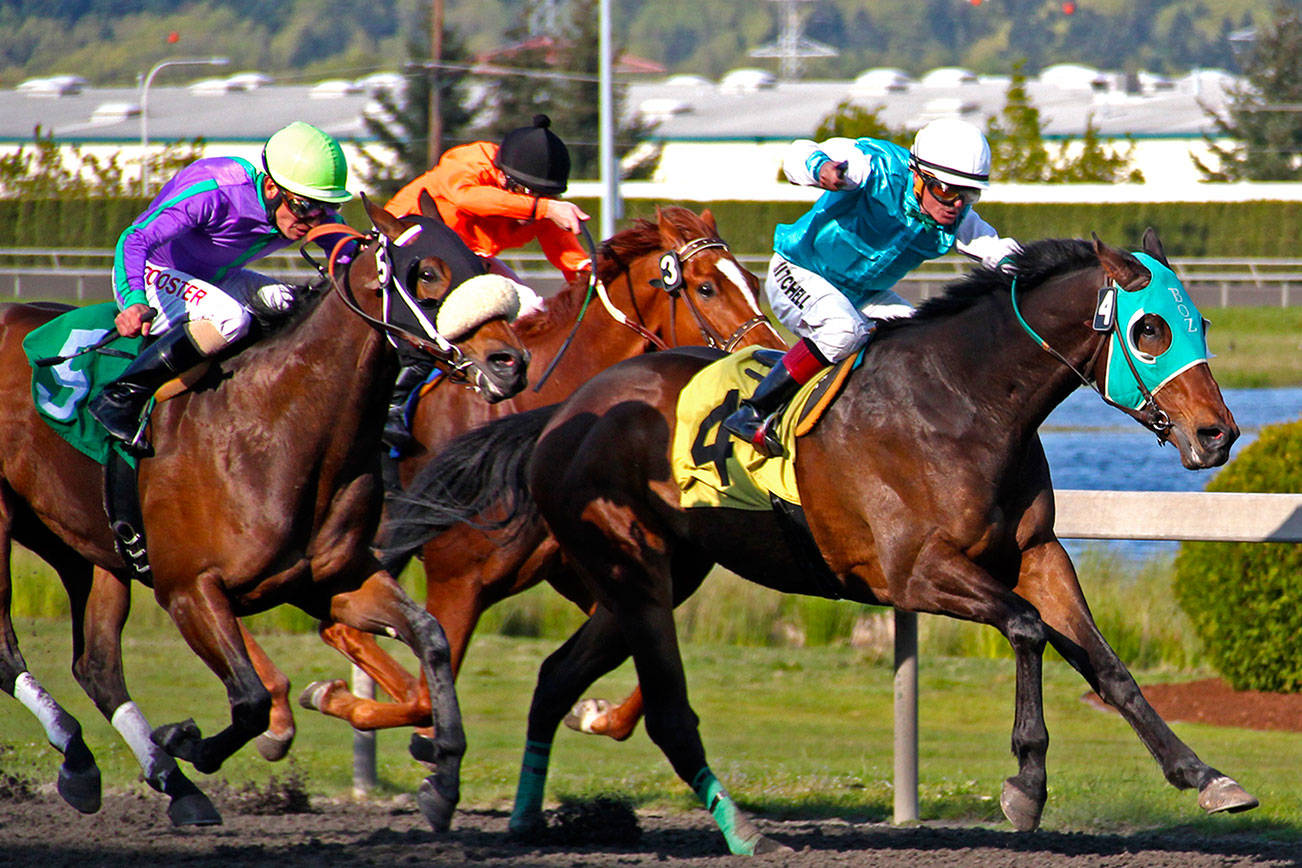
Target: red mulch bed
point(1213, 701)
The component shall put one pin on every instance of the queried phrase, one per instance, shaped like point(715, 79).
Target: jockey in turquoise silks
point(887, 210)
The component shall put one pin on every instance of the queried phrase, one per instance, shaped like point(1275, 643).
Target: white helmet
point(954, 151)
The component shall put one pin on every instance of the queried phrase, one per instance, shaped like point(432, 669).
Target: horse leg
point(202, 613)
point(99, 614)
point(381, 606)
point(411, 705)
point(1049, 582)
point(275, 742)
point(602, 717)
point(79, 778)
point(946, 582)
point(594, 649)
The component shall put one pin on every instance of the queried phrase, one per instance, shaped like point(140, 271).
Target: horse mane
point(613, 256)
point(1038, 262)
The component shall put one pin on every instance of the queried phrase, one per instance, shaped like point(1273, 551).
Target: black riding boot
point(119, 405)
point(753, 420)
point(397, 434)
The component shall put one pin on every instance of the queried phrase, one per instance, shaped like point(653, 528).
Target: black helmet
point(536, 158)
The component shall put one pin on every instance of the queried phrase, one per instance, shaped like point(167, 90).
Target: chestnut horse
point(469, 569)
point(264, 489)
point(948, 508)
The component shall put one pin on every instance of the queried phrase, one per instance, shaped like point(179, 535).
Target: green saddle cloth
point(62, 391)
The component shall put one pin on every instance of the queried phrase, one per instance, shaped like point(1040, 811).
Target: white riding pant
point(812, 307)
point(179, 297)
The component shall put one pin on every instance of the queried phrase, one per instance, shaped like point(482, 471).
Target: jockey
point(887, 210)
point(181, 260)
point(496, 198)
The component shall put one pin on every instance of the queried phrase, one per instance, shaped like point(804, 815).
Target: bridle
point(447, 356)
point(672, 282)
point(1151, 416)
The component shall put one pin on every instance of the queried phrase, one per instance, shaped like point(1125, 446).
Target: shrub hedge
point(1231, 229)
point(1245, 599)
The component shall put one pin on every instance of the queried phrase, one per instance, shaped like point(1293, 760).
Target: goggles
point(949, 194)
point(307, 209)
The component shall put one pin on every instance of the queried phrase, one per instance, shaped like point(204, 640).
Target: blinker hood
point(1166, 297)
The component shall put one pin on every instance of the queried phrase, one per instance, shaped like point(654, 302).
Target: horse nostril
point(503, 361)
point(1214, 437)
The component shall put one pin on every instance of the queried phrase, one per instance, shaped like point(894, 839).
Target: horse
point(264, 489)
point(947, 509)
point(665, 280)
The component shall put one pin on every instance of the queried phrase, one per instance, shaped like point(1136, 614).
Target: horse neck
point(599, 342)
point(1002, 380)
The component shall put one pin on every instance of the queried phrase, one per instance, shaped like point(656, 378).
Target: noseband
point(671, 263)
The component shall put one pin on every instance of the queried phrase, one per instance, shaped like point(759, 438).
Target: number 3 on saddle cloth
point(715, 469)
point(70, 363)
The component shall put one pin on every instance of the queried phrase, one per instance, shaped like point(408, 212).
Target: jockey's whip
point(592, 289)
point(109, 337)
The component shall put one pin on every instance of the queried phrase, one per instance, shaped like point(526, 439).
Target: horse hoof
point(193, 809)
point(314, 695)
point(272, 746)
point(178, 739)
point(421, 748)
point(589, 716)
point(526, 828)
point(81, 789)
point(435, 806)
point(765, 844)
point(1224, 795)
point(1020, 808)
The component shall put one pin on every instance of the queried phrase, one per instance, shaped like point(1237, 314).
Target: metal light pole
point(611, 207)
point(144, 107)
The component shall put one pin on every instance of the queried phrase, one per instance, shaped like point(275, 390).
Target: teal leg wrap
point(738, 831)
point(526, 816)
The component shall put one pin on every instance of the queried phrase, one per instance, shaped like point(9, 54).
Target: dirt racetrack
point(39, 831)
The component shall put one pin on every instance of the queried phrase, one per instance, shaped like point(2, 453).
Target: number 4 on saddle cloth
point(715, 469)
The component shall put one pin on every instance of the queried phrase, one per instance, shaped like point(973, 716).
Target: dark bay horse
point(468, 569)
point(925, 488)
point(264, 489)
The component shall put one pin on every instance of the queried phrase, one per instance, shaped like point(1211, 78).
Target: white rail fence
point(81, 274)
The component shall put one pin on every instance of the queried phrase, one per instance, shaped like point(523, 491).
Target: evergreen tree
point(1263, 118)
point(401, 127)
point(1017, 149)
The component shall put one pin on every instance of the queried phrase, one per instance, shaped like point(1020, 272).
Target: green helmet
point(306, 161)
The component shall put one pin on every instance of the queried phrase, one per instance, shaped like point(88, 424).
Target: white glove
point(276, 296)
point(996, 251)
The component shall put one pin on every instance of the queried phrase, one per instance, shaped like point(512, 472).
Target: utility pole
point(432, 70)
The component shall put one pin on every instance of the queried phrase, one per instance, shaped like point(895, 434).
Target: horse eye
point(705, 290)
point(428, 274)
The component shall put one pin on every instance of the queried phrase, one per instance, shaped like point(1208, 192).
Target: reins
point(1149, 414)
point(443, 352)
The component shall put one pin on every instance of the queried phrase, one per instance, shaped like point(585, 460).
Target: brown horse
point(264, 489)
point(948, 507)
point(469, 569)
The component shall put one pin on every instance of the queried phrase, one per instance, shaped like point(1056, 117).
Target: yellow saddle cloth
point(715, 469)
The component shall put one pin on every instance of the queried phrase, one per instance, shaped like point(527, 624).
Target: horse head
point(1154, 366)
point(681, 257)
point(435, 293)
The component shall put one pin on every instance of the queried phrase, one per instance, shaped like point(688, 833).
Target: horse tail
point(479, 479)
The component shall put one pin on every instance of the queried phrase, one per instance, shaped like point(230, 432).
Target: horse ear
point(1152, 245)
point(428, 207)
point(382, 219)
point(707, 217)
point(669, 235)
point(1120, 266)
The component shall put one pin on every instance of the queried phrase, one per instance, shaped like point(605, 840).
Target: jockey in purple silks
point(178, 272)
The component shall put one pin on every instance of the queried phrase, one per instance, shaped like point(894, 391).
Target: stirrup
point(764, 441)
